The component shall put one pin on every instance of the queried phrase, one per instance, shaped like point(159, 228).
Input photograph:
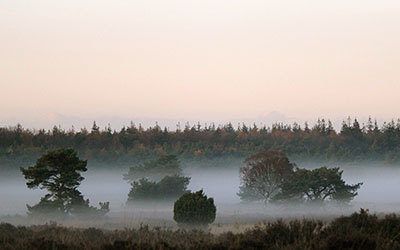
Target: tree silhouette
point(59, 172)
point(263, 175)
point(317, 186)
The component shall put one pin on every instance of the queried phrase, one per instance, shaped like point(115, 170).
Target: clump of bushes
point(194, 209)
point(357, 231)
point(169, 188)
point(157, 180)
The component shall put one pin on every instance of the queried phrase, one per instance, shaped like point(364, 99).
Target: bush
point(169, 188)
point(194, 209)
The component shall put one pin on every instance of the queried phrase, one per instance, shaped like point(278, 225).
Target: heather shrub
point(357, 231)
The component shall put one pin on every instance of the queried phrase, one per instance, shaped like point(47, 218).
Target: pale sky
point(203, 59)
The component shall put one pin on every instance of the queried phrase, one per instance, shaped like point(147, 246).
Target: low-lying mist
point(379, 193)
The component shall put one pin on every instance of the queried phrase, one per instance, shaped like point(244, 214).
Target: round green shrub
point(194, 209)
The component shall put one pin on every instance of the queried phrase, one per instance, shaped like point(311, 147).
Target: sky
point(209, 60)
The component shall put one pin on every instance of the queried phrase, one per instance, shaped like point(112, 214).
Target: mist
point(378, 194)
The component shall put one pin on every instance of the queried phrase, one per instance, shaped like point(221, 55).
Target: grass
point(358, 231)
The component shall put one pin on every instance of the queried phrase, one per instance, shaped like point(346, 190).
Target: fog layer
point(378, 193)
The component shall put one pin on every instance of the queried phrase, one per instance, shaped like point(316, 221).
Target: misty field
point(238, 224)
point(377, 193)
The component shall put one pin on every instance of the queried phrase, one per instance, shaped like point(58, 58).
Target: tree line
point(354, 141)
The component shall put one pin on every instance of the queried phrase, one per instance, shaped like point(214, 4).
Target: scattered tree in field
point(156, 169)
point(169, 188)
point(263, 175)
point(59, 172)
point(318, 185)
point(270, 176)
point(194, 209)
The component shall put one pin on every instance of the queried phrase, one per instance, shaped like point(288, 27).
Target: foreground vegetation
point(358, 231)
point(354, 142)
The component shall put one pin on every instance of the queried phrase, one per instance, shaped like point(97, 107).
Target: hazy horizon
point(197, 60)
